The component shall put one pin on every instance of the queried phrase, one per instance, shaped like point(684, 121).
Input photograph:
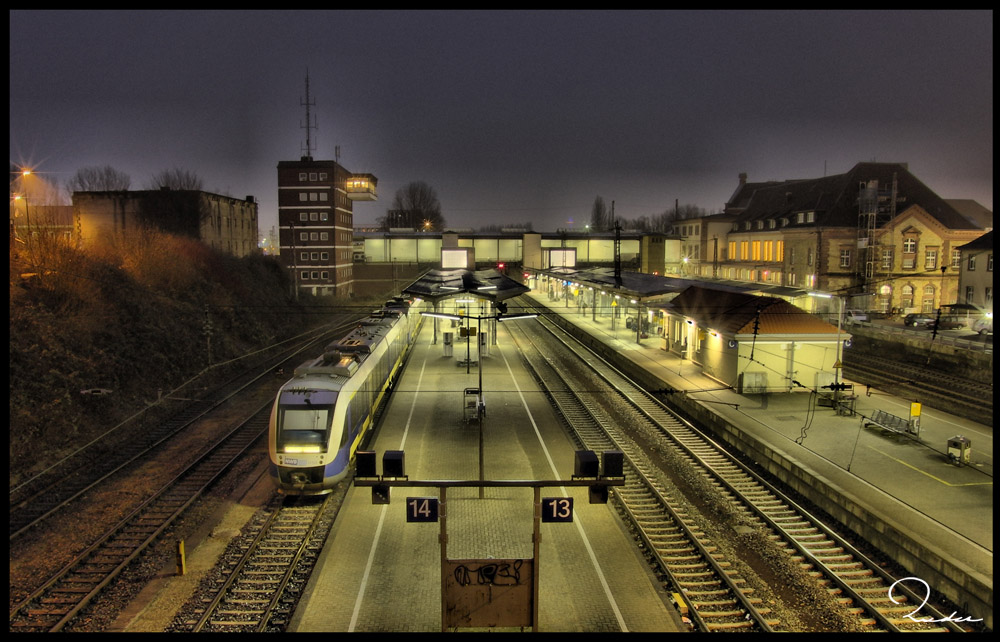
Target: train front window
point(304, 418)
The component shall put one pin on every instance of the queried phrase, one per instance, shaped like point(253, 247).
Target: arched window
point(906, 297)
point(928, 302)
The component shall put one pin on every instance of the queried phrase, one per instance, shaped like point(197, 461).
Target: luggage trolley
point(472, 404)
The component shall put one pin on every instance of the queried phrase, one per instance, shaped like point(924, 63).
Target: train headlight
point(301, 449)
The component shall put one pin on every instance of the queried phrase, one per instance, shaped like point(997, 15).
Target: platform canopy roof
point(651, 286)
point(437, 285)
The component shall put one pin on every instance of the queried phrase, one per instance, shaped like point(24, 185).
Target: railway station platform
point(900, 492)
point(379, 572)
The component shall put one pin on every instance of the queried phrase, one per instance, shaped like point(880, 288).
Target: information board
point(557, 509)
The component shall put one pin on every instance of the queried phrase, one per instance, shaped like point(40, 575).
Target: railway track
point(257, 583)
point(52, 606)
point(858, 585)
point(38, 498)
point(972, 399)
point(692, 564)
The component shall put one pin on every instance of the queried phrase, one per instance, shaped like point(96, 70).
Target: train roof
point(345, 355)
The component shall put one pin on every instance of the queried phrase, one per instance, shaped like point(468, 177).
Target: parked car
point(918, 320)
point(855, 316)
point(984, 325)
point(947, 322)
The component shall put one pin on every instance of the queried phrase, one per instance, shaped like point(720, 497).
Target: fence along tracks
point(859, 584)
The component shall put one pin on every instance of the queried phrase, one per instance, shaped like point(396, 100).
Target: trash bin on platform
point(959, 450)
point(448, 343)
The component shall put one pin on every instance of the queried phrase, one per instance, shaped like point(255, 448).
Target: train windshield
point(304, 418)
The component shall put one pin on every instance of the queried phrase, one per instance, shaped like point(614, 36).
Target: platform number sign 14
point(421, 509)
point(557, 509)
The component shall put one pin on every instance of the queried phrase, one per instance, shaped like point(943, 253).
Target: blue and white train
point(321, 415)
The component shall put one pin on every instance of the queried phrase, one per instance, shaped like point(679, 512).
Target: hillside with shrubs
point(128, 320)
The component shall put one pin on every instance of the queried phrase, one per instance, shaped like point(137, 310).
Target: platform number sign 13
point(557, 509)
point(421, 509)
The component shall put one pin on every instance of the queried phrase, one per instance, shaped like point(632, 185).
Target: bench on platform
point(891, 423)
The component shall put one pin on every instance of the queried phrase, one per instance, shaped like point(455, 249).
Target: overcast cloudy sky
point(510, 116)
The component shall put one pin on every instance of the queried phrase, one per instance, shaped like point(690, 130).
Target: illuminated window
point(768, 250)
point(756, 251)
point(845, 257)
point(780, 246)
point(909, 246)
point(732, 250)
point(930, 259)
point(744, 250)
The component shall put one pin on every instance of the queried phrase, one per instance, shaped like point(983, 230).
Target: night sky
point(510, 116)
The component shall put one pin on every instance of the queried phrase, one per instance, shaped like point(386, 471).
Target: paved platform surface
point(381, 573)
point(908, 481)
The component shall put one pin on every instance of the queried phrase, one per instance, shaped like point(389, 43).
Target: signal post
point(485, 593)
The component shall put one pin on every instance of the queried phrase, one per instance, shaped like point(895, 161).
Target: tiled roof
point(834, 199)
point(734, 313)
point(984, 242)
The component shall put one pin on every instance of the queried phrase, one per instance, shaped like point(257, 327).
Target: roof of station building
point(734, 313)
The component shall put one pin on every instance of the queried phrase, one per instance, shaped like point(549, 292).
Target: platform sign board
point(421, 509)
point(557, 509)
point(488, 593)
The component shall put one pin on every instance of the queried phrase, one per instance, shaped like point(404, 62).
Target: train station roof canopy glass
point(436, 285)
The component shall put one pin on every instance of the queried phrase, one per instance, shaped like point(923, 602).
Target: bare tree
point(600, 219)
point(176, 178)
point(415, 206)
point(99, 179)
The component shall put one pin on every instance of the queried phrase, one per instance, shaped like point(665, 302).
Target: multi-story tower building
point(316, 223)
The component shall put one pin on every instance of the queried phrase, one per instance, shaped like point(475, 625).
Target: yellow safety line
point(937, 479)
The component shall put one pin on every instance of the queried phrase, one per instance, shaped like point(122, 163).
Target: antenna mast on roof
point(309, 122)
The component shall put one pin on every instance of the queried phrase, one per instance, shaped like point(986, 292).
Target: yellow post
point(181, 564)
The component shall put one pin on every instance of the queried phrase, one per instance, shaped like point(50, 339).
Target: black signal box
point(585, 464)
point(393, 464)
